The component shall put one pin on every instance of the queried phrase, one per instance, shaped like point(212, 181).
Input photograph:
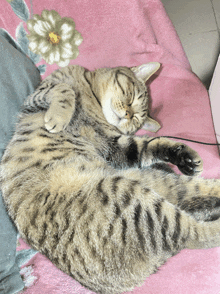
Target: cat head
point(124, 98)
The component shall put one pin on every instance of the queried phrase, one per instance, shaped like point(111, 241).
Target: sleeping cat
point(98, 201)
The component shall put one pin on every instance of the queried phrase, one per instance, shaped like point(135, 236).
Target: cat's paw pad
point(187, 160)
point(56, 119)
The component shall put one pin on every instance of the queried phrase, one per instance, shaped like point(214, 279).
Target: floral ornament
point(21, 42)
point(53, 37)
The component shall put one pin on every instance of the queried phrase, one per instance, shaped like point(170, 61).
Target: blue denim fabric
point(19, 77)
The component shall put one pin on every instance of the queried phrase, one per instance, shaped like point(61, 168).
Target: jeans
point(19, 77)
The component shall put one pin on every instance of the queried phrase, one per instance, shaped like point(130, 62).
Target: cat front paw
point(57, 118)
point(186, 159)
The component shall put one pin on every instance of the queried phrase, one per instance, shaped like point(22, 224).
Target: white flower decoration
point(53, 37)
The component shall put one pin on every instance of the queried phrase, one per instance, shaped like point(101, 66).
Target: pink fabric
point(129, 33)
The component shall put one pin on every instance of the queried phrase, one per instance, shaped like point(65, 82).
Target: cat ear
point(145, 71)
point(151, 125)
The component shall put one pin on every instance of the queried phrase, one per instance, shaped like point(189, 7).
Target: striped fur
point(99, 202)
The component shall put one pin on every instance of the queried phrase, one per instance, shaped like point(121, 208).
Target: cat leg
point(61, 109)
point(162, 149)
point(58, 100)
point(144, 151)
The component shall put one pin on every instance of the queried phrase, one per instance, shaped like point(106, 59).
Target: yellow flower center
point(54, 38)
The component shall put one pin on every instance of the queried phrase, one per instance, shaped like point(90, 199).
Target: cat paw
point(186, 159)
point(57, 118)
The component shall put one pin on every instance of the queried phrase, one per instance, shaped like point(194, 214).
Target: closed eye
point(142, 95)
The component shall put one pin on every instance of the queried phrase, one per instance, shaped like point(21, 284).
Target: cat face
point(125, 98)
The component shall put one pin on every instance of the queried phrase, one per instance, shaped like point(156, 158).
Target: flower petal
point(66, 50)
point(68, 20)
point(51, 19)
point(57, 56)
point(44, 46)
point(33, 38)
point(50, 59)
point(46, 58)
point(69, 52)
point(75, 52)
point(63, 63)
point(54, 56)
point(77, 38)
point(30, 24)
point(37, 17)
point(42, 28)
point(33, 46)
point(51, 15)
point(45, 49)
point(67, 31)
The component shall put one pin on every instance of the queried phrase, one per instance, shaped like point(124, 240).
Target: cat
point(101, 203)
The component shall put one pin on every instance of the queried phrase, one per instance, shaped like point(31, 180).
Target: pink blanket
point(129, 33)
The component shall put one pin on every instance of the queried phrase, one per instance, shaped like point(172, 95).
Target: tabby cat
point(98, 201)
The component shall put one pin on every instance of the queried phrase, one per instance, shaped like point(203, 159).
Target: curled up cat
point(98, 201)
